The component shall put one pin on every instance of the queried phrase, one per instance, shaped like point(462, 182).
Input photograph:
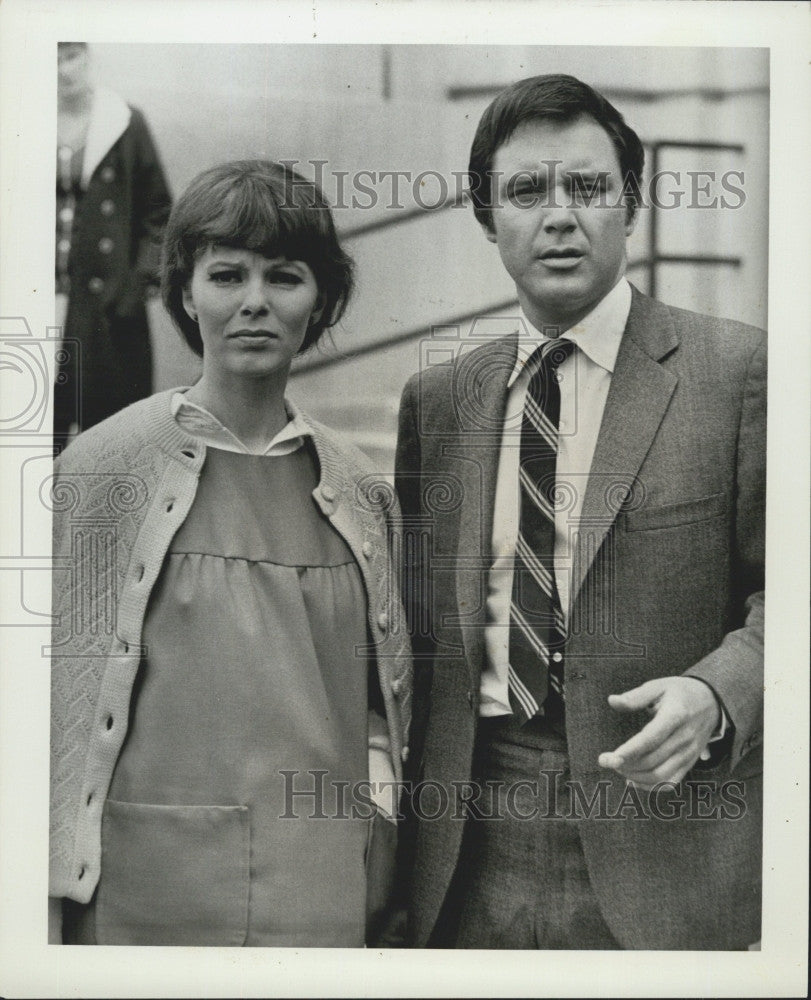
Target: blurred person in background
point(230, 698)
point(112, 203)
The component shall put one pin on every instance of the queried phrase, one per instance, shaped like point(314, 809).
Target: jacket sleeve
point(735, 669)
point(415, 576)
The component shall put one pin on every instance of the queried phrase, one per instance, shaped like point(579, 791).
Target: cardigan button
point(367, 550)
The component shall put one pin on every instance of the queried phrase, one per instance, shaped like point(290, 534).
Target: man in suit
point(584, 508)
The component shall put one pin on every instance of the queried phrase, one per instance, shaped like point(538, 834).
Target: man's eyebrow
point(587, 170)
point(588, 173)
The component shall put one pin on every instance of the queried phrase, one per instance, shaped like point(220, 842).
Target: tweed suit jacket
point(667, 579)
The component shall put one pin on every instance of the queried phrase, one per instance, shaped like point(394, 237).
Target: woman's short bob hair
point(260, 206)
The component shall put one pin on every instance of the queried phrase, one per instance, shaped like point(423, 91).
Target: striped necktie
point(537, 627)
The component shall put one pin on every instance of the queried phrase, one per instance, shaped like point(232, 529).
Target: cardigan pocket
point(173, 875)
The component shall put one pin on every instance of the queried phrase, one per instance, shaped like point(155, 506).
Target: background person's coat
point(114, 254)
point(667, 579)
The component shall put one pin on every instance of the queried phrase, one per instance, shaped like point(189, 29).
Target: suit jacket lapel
point(637, 400)
point(474, 455)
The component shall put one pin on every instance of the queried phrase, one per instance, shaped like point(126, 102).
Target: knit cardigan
point(119, 494)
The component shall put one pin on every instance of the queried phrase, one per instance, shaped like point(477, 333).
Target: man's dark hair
point(553, 97)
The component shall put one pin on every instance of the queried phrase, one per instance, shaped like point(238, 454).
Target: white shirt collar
point(197, 420)
point(597, 335)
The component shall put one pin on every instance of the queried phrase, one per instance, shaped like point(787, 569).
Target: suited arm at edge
point(734, 671)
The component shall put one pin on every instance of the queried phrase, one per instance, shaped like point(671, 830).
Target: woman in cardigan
point(112, 203)
point(231, 681)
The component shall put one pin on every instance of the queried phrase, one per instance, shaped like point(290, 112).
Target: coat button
point(107, 207)
point(108, 175)
point(328, 493)
point(96, 286)
point(63, 246)
point(404, 754)
point(382, 620)
point(367, 550)
point(557, 657)
point(106, 244)
point(397, 686)
point(66, 214)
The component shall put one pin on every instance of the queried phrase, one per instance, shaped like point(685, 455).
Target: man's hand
point(685, 713)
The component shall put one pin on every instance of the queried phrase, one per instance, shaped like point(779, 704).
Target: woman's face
point(253, 312)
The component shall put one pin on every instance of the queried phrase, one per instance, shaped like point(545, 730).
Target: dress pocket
point(173, 875)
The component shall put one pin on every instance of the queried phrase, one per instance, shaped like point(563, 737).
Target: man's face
point(564, 250)
point(73, 62)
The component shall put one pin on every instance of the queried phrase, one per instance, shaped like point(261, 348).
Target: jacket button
point(106, 244)
point(396, 686)
point(107, 206)
point(63, 246)
point(108, 175)
point(66, 214)
point(404, 754)
point(367, 550)
point(382, 620)
point(328, 493)
point(96, 286)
